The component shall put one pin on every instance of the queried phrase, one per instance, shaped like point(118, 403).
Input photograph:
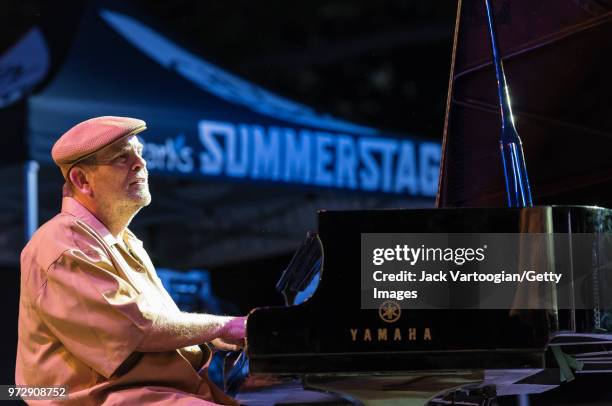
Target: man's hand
point(234, 330)
point(223, 345)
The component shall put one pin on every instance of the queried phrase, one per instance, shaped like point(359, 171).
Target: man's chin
point(142, 199)
point(146, 200)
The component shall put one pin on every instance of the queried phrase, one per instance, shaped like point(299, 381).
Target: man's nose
point(139, 163)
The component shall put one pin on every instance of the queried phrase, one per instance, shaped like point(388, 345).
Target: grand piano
point(323, 347)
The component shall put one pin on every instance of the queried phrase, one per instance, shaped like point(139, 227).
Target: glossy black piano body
point(557, 59)
point(330, 333)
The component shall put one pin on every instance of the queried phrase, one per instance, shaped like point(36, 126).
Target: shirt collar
point(129, 236)
point(76, 209)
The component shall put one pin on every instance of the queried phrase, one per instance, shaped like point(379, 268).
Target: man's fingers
point(227, 346)
point(220, 344)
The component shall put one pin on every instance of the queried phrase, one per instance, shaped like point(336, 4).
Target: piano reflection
point(322, 347)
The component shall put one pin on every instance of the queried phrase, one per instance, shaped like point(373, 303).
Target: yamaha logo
point(389, 311)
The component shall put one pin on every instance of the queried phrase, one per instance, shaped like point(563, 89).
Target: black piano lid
point(558, 61)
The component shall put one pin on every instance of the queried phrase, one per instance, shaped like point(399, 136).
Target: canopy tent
point(238, 172)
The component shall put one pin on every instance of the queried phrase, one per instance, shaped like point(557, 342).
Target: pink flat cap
point(90, 136)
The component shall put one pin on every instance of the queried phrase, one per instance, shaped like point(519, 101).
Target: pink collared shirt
point(86, 304)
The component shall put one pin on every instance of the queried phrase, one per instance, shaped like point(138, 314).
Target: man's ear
point(78, 177)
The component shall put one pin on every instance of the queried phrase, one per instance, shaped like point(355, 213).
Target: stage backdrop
point(237, 171)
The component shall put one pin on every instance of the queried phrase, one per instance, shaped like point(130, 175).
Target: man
point(93, 315)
